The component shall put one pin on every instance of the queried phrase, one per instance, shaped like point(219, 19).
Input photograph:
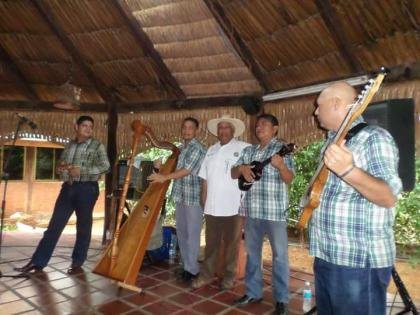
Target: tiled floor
point(54, 292)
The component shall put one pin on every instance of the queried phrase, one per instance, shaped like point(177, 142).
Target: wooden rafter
point(195, 103)
point(19, 76)
point(49, 18)
point(239, 45)
point(147, 45)
point(336, 29)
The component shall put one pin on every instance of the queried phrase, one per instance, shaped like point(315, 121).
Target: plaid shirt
point(90, 155)
point(186, 190)
point(268, 198)
point(347, 229)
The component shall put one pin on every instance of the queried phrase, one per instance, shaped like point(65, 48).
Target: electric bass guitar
point(257, 167)
point(311, 198)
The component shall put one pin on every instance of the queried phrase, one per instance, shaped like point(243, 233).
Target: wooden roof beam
point(336, 29)
point(147, 45)
point(239, 45)
point(48, 16)
point(193, 103)
point(19, 76)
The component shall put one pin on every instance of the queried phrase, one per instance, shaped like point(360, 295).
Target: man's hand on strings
point(246, 171)
point(338, 158)
point(156, 178)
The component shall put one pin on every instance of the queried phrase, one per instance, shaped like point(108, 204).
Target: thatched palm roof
point(193, 56)
point(163, 52)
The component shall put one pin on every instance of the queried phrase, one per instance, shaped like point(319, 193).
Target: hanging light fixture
point(68, 97)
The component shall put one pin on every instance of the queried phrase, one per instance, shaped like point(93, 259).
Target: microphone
point(26, 120)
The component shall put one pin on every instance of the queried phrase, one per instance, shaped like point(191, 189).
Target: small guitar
point(257, 167)
point(311, 198)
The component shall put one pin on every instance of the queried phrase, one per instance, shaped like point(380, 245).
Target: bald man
point(351, 233)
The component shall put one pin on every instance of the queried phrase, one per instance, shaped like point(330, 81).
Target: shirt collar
point(274, 139)
point(331, 134)
point(88, 141)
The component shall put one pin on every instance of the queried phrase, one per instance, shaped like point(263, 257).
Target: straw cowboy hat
point(236, 123)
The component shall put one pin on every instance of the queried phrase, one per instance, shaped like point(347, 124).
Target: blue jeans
point(81, 198)
point(255, 229)
point(189, 220)
point(342, 290)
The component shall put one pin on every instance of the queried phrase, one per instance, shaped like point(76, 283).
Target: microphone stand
point(5, 178)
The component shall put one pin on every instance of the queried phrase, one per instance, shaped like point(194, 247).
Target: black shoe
point(245, 300)
point(281, 309)
point(188, 276)
point(28, 268)
point(74, 269)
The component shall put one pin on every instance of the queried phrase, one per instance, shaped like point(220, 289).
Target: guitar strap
point(353, 131)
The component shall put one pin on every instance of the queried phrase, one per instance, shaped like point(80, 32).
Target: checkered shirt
point(90, 155)
point(186, 190)
point(268, 198)
point(347, 229)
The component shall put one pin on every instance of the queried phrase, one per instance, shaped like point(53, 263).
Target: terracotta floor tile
point(295, 284)
point(114, 307)
point(268, 296)
point(256, 308)
point(162, 307)
point(15, 307)
point(164, 276)
point(226, 297)
point(304, 276)
point(187, 312)
point(164, 290)
point(185, 298)
point(147, 282)
point(210, 307)
point(207, 291)
point(179, 283)
point(150, 270)
point(136, 312)
point(141, 299)
point(235, 312)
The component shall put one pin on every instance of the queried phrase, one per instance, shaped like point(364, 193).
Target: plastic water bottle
point(172, 249)
point(307, 297)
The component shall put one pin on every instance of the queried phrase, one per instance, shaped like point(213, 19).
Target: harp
point(122, 258)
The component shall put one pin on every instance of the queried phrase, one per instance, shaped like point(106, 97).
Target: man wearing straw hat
point(186, 194)
point(221, 198)
point(266, 204)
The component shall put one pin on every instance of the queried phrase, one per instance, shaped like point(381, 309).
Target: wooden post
point(112, 155)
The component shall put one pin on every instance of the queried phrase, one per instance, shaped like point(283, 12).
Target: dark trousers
point(341, 290)
point(80, 197)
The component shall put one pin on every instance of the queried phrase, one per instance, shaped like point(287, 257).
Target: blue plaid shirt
point(347, 229)
point(268, 198)
point(186, 190)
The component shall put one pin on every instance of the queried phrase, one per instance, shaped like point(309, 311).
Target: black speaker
point(252, 106)
point(397, 116)
point(138, 183)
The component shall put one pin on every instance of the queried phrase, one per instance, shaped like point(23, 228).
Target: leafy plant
point(306, 161)
point(153, 154)
point(407, 221)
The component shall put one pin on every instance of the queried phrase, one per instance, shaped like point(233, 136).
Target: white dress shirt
point(223, 194)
